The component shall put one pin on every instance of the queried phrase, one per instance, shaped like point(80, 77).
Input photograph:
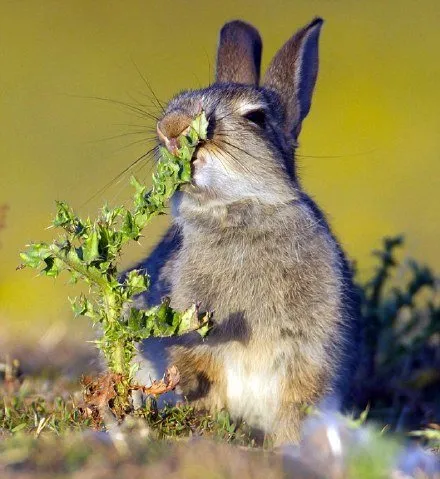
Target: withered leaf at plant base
point(168, 383)
point(99, 391)
point(102, 395)
point(99, 395)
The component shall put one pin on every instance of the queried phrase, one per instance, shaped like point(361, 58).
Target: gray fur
point(251, 246)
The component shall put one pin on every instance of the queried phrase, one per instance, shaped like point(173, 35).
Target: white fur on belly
point(253, 392)
point(253, 387)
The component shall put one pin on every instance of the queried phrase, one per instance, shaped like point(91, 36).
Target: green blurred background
point(369, 149)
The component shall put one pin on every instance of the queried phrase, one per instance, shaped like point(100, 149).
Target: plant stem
point(118, 364)
point(74, 263)
point(113, 312)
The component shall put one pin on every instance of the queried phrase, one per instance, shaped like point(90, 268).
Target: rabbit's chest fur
point(273, 286)
point(279, 272)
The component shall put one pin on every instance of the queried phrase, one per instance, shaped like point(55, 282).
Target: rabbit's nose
point(171, 127)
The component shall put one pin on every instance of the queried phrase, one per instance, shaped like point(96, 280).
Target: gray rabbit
point(251, 246)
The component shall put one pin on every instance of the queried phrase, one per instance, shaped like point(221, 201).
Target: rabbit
point(248, 244)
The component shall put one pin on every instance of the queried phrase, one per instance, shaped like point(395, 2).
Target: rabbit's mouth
point(199, 162)
point(210, 175)
point(199, 158)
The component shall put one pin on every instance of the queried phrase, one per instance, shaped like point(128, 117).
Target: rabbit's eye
point(256, 116)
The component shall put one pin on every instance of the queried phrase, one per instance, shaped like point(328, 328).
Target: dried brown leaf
point(169, 382)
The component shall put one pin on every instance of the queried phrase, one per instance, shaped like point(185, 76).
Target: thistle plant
point(89, 251)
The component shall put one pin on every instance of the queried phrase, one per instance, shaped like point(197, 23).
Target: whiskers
point(223, 144)
point(146, 159)
point(336, 157)
point(154, 98)
point(137, 108)
point(139, 134)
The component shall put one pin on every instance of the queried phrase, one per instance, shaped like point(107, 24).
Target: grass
point(45, 427)
point(48, 430)
point(38, 405)
point(45, 432)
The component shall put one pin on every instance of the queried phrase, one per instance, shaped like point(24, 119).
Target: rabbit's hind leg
point(201, 377)
point(303, 387)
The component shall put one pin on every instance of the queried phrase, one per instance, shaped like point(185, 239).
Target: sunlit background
point(369, 149)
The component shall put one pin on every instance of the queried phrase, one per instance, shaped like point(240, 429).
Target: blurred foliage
point(400, 372)
point(431, 435)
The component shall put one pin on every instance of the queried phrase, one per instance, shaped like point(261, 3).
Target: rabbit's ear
point(292, 74)
point(238, 54)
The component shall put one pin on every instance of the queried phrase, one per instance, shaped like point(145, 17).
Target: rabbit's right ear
point(292, 74)
point(239, 54)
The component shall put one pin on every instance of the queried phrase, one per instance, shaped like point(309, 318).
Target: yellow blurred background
point(369, 149)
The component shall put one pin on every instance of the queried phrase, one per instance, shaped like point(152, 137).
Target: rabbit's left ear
point(239, 54)
point(292, 74)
